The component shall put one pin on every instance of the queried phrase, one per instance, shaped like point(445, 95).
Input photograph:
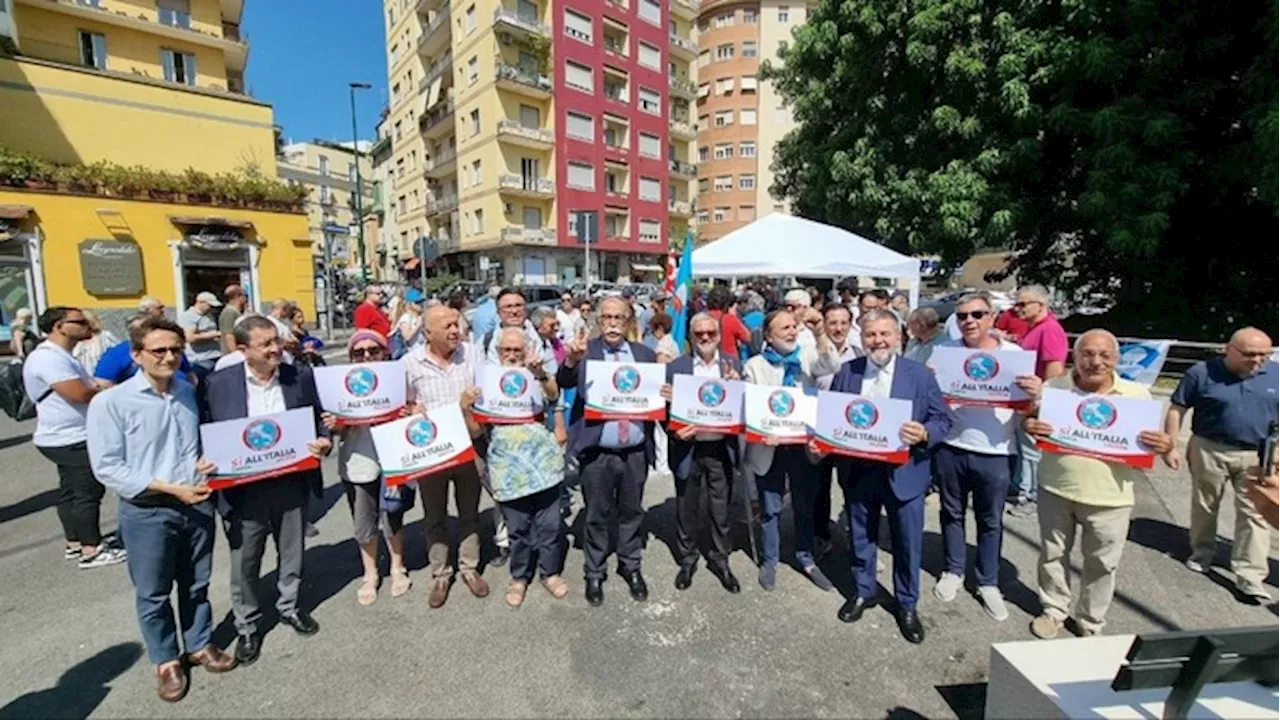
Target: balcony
point(617, 93)
point(442, 204)
point(526, 186)
point(687, 9)
point(437, 120)
point(682, 88)
point(683, 130)
point(442, 163)
point(682, 169)
point(525, 82)
point(529, 236)
point(680, 208)
point(436, 70)
point(683, 47)
point(435, 34)
point(513, 132)
point(524, 26)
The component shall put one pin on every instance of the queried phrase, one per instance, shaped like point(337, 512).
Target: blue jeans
point(1025, 482)
point(168, 546)
point(959, 473)
point(789, 462)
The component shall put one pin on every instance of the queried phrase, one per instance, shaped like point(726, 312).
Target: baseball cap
point(660, 295)
point(208, 297)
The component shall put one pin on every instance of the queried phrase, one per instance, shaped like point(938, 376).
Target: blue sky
point(302, 54)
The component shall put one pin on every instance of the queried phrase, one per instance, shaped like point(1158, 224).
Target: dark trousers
point(712, 474)
point(79, 493)
point(789, 462)
point(613, 490)
point(278, 508)
point(822, 500)
point(867, 489)
point(534, 529)
point(168, 546)
point(959, 473)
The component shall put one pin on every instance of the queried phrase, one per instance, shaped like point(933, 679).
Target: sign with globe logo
point(513, 384)
point(981, 367)
point(862, 415)
point(420, 432)
point(626, 379)
point(1096, 413)
point(624, 391)
point(781, 404)
point(711, 394)
point(261, 435)
point(361, 382)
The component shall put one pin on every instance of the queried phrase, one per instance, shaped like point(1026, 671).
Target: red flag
point(669, 286)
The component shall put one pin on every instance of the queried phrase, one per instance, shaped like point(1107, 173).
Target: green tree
point(1125, 147)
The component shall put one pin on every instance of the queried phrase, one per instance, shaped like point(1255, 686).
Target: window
point(724, 182)
point(179, 67)
point(531, 217)
point(724, 86)
point(750, 16)
point(324, 165)
point(471, 19)
point(581, 127)
point(720, 214)
point(395, 94)
point(747, 148)
point(326, 196)
point(650, 145)
point(578, 77)
point(724, 118)
point(477, 174)
point(399, 131)
point(581, 176)
point(746, 182)
point(747, 116)
point(704, 58)
point(473, 70)
point(784, 14)
point(724, 20)
point(475, 122)
point(724, 151)
point(746, 213)
point(530, 117)
point(93, 50)
point(724, 52)
point(748, 48)
point(650, 189)
point(577, 26)
point(477, 222)
point(651, 12)
point(704, 185)
point(650, 230)
point(175, 13)
point(650, 101)
point(650, 56)
point(748, 83)
point(703, 154)
point(704, 90)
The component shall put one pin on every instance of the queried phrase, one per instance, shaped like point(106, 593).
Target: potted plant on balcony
point(197, 186)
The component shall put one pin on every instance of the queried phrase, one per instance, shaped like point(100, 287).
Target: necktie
point(624, 426)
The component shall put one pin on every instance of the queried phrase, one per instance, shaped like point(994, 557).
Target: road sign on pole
point(588, 232)
point(428, 250)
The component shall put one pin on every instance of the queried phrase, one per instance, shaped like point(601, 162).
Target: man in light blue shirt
point(144, 443)
point(485, 319)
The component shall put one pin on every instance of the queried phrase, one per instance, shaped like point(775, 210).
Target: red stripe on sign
point(466, 456)
point(726, 430)
point(223, 482)
point(897, 457)
point(593, 414)
point(759, 438)
point(505, 420)
point(376, 420)
point(1143, 462)
point(969, 402)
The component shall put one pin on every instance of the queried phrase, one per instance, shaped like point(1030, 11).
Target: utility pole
point(355, 148)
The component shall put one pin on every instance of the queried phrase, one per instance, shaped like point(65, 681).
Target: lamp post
point(355, 148)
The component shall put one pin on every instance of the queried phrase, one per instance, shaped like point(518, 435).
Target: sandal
point(367, 593)
point(515, 593)
point(556, 586)
point(400, 582)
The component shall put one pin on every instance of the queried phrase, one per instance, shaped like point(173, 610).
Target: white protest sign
point(862, 427)
point(508, 395)
point(625, 391)
point(364, 393)
point(783, 413)
point(1142, 361)
point(970, 376)
point(250, 449)
point(1105, 427)
point(706, 403)
point(420, 445)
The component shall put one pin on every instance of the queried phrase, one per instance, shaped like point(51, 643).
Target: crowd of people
point(132, 425)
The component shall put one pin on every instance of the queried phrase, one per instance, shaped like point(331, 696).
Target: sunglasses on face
point(976, 315)
point(77, 321)
point(366, 352)
point(705, 334)
point(163, 352)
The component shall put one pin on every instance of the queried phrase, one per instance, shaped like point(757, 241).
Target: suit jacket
point(680, 452)
point(585, 433)
point(224, 396)
point(911, 381)
point(813, 364)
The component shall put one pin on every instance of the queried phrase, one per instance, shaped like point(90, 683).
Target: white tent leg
point(913, 292)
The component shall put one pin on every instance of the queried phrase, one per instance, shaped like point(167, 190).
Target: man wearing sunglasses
point(1234, 398)
point(1048, 340)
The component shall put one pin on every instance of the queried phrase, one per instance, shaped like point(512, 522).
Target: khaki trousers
point(435, 502)
point(1102, 539)
point(1214, 466)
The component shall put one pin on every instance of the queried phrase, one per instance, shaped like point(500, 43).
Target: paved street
point(72, 645)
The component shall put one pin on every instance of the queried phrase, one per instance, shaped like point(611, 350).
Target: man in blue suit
point(614, 456)
point(870, 485)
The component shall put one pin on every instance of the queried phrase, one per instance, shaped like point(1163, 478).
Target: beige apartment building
point(378, 222)
point(328, 171)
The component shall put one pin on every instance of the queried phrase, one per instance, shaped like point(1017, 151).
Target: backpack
point(398, 346)
point(13, 393)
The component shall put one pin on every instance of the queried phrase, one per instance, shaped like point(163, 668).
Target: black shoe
point(248, 647)
point(851, 611)
point(726, 578)
point(684, 578)
point(909, 624)
point(635, 581)
point(504, 554)
point(595, 592)
point(301, 622)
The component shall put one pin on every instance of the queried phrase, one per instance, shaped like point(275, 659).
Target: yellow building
point(328, 172)
point(128, 88)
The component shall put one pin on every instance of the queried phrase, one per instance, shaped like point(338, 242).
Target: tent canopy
point(780, 244)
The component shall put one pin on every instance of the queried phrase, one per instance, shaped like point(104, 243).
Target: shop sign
point(111, 267)
point(215, 237)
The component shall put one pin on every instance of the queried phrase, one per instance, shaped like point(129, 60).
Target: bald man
point(1234, 397)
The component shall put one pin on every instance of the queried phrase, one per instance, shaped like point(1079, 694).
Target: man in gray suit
point(262, 385)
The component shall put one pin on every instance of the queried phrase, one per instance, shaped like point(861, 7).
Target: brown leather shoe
point(173, 680)
point(213, 658)
point(439, 592)
point(476, 584)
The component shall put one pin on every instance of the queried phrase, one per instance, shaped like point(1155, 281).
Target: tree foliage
point(1119, 146)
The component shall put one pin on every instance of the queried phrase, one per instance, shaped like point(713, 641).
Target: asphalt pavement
point(72, 647)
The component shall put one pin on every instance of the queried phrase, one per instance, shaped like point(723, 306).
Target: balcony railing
point(617, 93)
point(681, 167)
point(682, 85)
point(524, 77)
point(437, 68)
point(691, 6)
point(436, 115)
point(680, 207)
point(513, 18)
point(542, 186)
point(533, 133)
point(681, 126)
point(683, 43)
point(442, 204)
point(441, 18)
point(442, 158)
point(541, 236)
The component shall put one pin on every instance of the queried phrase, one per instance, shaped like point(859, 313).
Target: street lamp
point(355, 147)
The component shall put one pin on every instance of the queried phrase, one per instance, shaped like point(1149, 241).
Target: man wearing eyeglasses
point(1048, 340)
point(1234, 398)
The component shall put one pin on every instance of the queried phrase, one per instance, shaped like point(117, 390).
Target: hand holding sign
point(913, 433)
point(362, 394)
point(319, 447)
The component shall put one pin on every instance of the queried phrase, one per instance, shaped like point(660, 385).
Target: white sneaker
point(1199, 563)
point(993, 602)
point(948, 585)
point(104, 557)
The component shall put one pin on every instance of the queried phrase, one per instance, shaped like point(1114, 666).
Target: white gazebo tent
point(780, 245)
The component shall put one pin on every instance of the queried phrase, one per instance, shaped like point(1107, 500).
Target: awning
point(15, 212)
point(201, 220)
point(412, 263)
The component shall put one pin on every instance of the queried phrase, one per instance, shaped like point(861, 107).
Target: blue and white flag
point(684, 291)
point(1142, 361)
